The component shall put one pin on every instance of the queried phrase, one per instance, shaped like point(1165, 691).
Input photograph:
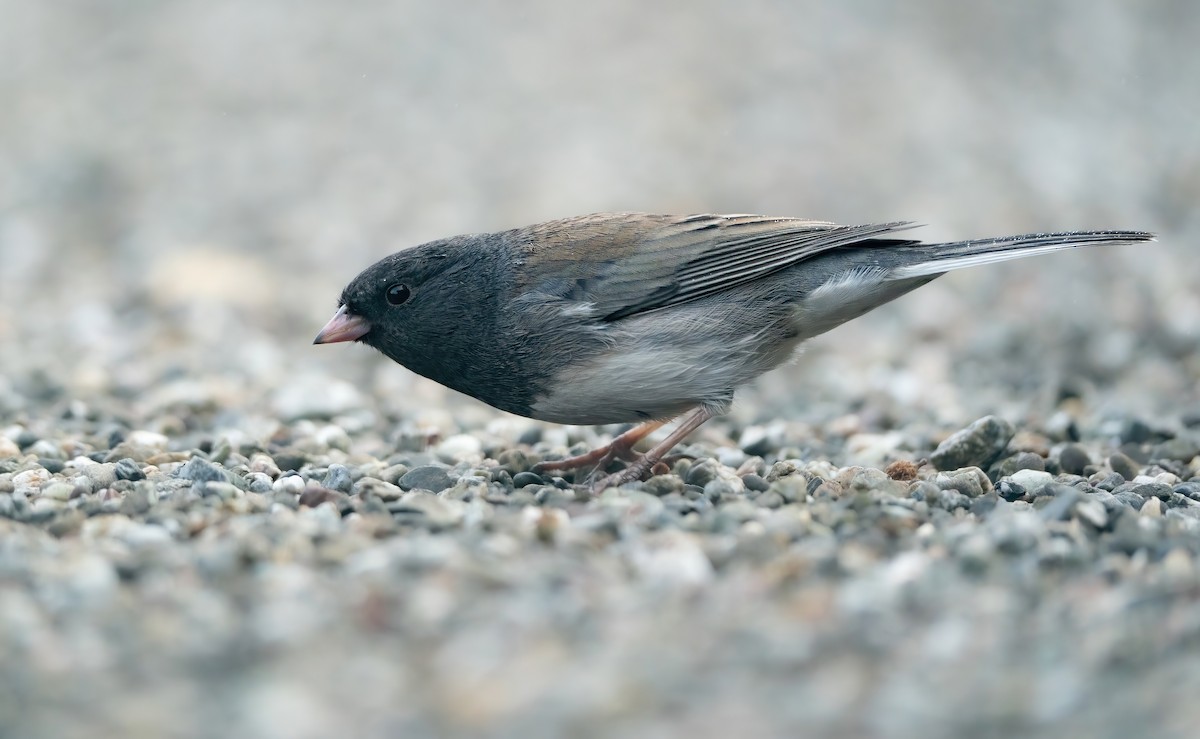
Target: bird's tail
point(934, 259)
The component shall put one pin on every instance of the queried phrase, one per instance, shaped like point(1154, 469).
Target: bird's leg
point(619, 448)
point(640, 466)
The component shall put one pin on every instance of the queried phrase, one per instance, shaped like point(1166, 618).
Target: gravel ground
point(975, 512)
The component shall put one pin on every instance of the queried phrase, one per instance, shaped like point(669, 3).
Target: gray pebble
point(1180, 449)
point(975, 446)
point(1153, 489)
point(719, 489)
point(702, 473)
point(970, 481)
point(201, 471)
point(661, 485)
point(1123, 465)
point(1073, 459)
point(101, 475)
point(1061, 501)
point(521, 479)
point(755, 483)
point(337, 477)
point(127, 469)
point(258, 482)
point(431, 477)
point(1093, 512)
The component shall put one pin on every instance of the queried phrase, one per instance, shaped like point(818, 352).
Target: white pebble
point(460, 448)
point(290, 484)
point(31, 481)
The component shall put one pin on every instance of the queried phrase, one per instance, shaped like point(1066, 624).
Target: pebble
point(975, 446)
point(101, 475)
point(1073, 459)
point(201, 471)
point(337, 477)
point(1032, 480)
point(1122, 465)
point(126, 469)
point(30, 482)
point(433, 478)
point(436, 512)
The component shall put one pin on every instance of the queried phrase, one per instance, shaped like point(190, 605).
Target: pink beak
point(344, 326)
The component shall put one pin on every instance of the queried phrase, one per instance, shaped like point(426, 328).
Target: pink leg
point(635, 471)
point(620, 447)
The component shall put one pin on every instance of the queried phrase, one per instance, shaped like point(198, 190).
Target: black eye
point(398, 294)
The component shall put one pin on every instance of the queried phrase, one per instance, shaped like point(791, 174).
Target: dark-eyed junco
point(628, 317)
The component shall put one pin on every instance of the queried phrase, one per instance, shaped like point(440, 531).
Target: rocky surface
point(973, 512)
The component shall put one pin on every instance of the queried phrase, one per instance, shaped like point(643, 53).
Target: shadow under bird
point(630, 317)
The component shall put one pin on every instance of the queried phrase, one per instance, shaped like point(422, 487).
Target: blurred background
point(186, 186)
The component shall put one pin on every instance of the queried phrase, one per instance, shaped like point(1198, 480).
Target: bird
point(618, 318)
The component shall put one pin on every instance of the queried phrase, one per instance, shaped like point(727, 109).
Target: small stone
point(433, 478)
point(148, 440)
point(1191, 489)
point(1153, 508)
point(755, 483)
point(263, 464)
point(201, 471)
point(337, 477)
point(370, 487)
point(460, 448)
point(1180, 449)
point(221, 490)
point(333, 437)
point(970, 481)
point(1123, 465)
point(661, 485)
point(1153, 490)
point(438, 513)
point(315, 495)
point(793, 488)
point(1032, 480)
point(1135, 431)
point(521, 479)
point(1131, 499)
point(127, 469)
point(1093, 512)
point(290, 484)
point(258, 482)
point(702, 473)
point(30, 482)
point(758, 441)
point(45, 449)
point(1073, 459)
point(1062, 500)
point(514, 461)
point(1010, 490)
point(393, 473)
point(975, 446)
point(8, 448)
point(57, 491)
point(101, 475)
point(1017, 462)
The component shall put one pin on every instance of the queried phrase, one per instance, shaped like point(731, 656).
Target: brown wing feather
point(627, 263)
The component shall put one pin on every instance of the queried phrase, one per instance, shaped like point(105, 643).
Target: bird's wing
point(620, 264)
